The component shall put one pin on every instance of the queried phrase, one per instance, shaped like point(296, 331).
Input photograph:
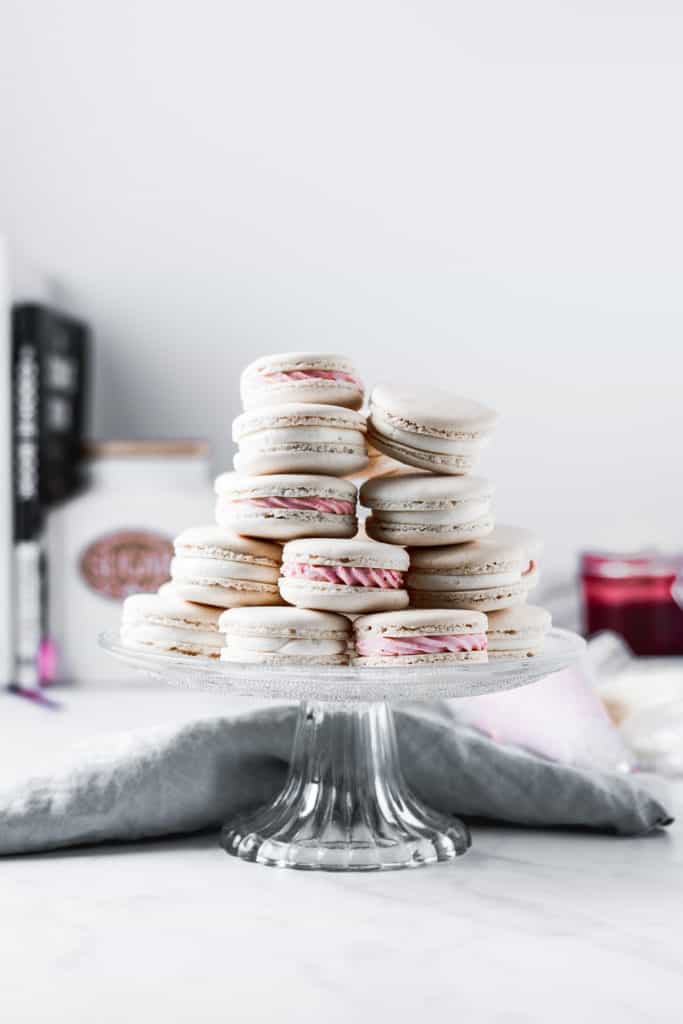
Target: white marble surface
point(529, 926)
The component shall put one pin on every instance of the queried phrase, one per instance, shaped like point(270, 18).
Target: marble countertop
point(529, 926)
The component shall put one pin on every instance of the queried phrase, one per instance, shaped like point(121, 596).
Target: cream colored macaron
point(354, 576)
point(217, 567)
point(284, 636)
point(325, 378)
point(165, 622)
point(433, 430)
point(422, 509)
point(425, 637)
point(484, 575)
point(286, 506)
point(300, 438)
point(517, 632)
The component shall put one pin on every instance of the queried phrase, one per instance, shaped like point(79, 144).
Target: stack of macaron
point(284, 575)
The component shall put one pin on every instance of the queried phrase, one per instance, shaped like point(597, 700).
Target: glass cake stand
point(345, 805)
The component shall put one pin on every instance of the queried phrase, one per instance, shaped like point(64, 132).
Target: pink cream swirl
point(394, 646)
point(335, 505)
point(353, 575)
point(286, 376)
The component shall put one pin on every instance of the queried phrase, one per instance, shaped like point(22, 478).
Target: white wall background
point(487, 194)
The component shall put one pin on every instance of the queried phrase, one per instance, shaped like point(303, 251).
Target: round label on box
point(127, 562)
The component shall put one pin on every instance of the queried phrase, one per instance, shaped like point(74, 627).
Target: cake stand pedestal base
point(345, 805)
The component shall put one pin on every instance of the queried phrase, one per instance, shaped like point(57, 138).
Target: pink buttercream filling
point(355, 576)
point(392, 646)
point(336, 505)
point(285, 376)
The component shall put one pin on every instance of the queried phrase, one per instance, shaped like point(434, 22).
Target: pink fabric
point(285, 376)
point(391, 646)
point(355, 576)
point(342, 508)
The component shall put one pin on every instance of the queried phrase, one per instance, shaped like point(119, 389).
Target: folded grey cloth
point(182, 779)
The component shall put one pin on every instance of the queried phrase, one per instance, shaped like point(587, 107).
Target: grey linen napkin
point(195, 776)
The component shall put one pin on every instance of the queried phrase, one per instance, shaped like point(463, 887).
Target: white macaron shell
point(341, 598)
point(356, 552)
point(521, 628)
point(209, 570)
point(259, 386)
point(381, 425)
point(236, 487)
point(422, 623)
point(435, 411)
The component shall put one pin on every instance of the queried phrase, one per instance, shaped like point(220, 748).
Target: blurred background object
point(115, 539)
point(631, 594)
point(48, 382)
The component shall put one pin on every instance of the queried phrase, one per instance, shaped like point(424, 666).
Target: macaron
point(217, 567)
point(300, 438)
point(422, 509)
point(517, 632)
point(433, 430)
point(282, 636)
point(344, 575)
point(164, 622)
point(325, 378)
point(286, 506)
point(425, 637)
point(483, 575)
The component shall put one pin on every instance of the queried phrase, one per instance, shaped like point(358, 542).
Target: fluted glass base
point(345, 805)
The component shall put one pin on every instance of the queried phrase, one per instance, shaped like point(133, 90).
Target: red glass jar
point(631, 595)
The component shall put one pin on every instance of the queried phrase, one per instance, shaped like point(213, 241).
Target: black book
point(49, 365)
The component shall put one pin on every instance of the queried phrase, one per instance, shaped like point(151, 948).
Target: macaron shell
point(235, 486)
point(413, 535)
point(486, 600)
point(341, 598)
point(489, 555)
point(518, 632)
point(316, 391)
point(422, 623)
point(424, 492)
point(530, 651)
point(256, 658)
point(433, 462)
point(168, 608)
point(216, 542)
point(297, 415)
point(436, 411)
point(285, 524)
point(284, 622)
point(229, 593)
point(185, 569)
point(171, 639)
point(357, 552)
point(420, 659)
point(338, 459)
